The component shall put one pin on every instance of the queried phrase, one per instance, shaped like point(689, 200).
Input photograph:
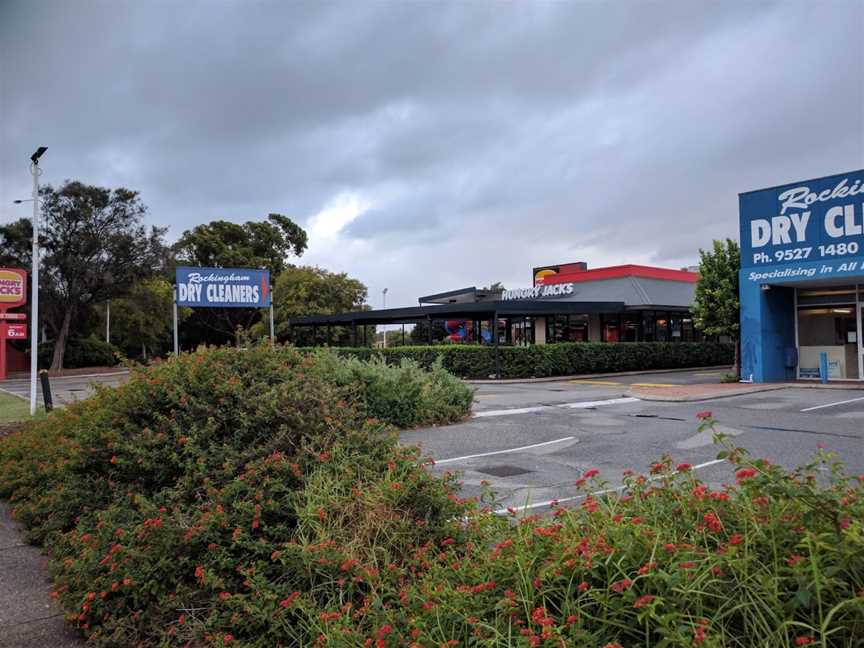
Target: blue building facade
point(802, 279)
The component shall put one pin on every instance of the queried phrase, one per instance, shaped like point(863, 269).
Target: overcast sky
point(428, 146)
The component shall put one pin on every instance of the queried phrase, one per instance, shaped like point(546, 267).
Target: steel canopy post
point(495, 344)
point(176, 337)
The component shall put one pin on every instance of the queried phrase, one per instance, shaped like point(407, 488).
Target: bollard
point(46, 391)
point(823, 368)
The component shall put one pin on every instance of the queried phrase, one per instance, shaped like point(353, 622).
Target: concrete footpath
point(29, 618)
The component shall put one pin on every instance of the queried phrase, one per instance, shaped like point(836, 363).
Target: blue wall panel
point(804, 231)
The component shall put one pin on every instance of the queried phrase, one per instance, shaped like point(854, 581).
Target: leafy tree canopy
point(716, 309)
point(95, 248)
point(142, 322)
point(306, 290)
point(221, 244)
point(268, 244)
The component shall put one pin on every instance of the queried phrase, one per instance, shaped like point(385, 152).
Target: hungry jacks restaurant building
point(564, 303)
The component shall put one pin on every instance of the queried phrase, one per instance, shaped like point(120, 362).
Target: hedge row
point(564, 359)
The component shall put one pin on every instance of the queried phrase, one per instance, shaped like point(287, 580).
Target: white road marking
point(528, 507)
point(610, 401)
point(489, 454)
point(515, 410)
point(539, 408)
point(851, 400)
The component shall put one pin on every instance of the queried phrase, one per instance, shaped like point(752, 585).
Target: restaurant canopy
point(480, 310)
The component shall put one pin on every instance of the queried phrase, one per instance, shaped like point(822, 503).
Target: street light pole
point(384, 307)
point(34, 275)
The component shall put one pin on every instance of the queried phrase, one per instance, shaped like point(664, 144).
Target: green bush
point(562, 359)
point(194, 477)
point(81, 352)
point(246, 498)
point(403, 394)
point(201, 418)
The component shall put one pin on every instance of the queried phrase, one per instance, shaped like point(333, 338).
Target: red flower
point(684, 467)
point(745, 473)
point(794, 559)
point(703, 415)
point(288, 601)
point(228, 638)
point(643, 600)
point(591, 473)
point(582, 587)
point(620, 586)
point(802, 641)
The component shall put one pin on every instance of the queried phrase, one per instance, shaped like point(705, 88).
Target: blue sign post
point(809, 231)
point(221, 288)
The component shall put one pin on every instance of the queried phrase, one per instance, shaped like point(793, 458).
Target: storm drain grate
point(503, 470)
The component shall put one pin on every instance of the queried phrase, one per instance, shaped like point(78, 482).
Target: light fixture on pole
point(34, 277)
point(384, 307)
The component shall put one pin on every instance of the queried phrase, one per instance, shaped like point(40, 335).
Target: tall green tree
point(306, 290)
point(716, 308)
point(265, 244)
point(142, 322)
point(95, 247)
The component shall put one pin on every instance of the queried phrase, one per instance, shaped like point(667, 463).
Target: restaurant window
point(567, 328)
point(648, 332)
point(577, 328)
point(687, 329)
point(611, 329)
point(522, 331)
point(630, 327)
point(661, 327)
point(675, 327)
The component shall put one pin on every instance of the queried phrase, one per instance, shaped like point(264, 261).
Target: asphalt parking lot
point(65, 389)
point(531, 441)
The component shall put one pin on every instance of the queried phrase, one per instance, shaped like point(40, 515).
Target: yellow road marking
point(594, 382)
point(653, 385)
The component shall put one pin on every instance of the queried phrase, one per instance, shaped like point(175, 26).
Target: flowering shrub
point(279, 529)
point(192, 422)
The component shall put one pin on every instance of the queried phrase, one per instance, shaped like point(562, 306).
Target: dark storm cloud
point(431, 145)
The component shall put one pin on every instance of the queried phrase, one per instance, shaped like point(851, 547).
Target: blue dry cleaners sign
point(223, 287)
point(802, 231)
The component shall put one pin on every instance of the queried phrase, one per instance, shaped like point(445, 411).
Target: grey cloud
point(483, 135)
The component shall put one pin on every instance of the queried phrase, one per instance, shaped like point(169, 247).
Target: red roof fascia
point(617, 272)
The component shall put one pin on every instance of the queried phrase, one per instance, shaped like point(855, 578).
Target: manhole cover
point(503, 470)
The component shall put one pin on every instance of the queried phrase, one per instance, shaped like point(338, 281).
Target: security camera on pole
point(34, 275)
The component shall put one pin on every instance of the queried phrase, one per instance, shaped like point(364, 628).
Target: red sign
point(13, 316)
point(13, 287)
point(16, 332)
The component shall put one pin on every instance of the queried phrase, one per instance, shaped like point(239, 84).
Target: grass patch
point(14, 409)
